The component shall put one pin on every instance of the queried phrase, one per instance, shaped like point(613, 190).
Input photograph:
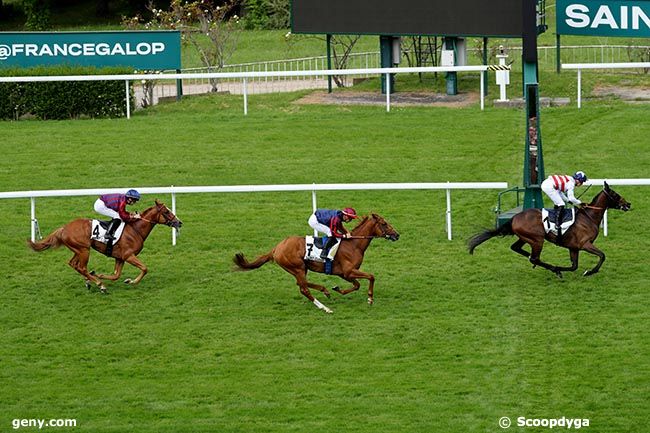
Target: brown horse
point(528, 226)
point(76, 236)
point(289, 254)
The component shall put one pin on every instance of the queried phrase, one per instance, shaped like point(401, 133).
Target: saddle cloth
point(314, 246)
point(98, 231)
point(548, 219)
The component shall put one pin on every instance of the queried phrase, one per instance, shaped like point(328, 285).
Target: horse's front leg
point(133, 260)
point(573, 253)
point(119, 264)
point(355, 274)
point(590, 248)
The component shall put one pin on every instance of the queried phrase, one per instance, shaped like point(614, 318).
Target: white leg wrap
point(321, 306)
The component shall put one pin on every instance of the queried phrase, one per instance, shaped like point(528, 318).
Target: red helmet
point(349, 212)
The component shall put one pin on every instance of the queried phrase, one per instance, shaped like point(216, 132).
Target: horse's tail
point(478, 239)
point(245, 265)
point(52, 241)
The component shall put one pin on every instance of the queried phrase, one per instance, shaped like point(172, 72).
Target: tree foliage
point(198, 20)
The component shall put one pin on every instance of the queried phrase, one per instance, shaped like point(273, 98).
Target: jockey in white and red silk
point(114, 206)
point(559, 189)
point(330, 222)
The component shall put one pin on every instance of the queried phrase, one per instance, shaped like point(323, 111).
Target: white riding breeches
point(321, 228)
point(555, 195)
point(101, 208)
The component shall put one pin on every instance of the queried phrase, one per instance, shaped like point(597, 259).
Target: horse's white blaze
point(321, 306)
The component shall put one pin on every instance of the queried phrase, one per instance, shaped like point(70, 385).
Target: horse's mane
point(363, 221)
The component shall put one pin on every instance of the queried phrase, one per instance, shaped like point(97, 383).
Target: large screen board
point(408, 17)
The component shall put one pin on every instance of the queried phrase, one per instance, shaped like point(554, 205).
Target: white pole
point(482, 87)
point(579, 88)
point(387, 93)
point(605, 223)
point(245, 97)
point(174, 212)
point(128, 101)
point(448, 213)
point(313, 205)
point(33, 217)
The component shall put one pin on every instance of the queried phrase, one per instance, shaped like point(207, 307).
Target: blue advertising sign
point(604, 18)
point(144, 50)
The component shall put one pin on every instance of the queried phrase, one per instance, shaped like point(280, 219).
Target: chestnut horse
point(76, 236)
point(289, 254)
point(528, 226)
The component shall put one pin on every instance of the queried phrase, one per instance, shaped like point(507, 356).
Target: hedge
point(63, 99)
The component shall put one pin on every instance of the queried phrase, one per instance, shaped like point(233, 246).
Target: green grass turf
point(453, 343)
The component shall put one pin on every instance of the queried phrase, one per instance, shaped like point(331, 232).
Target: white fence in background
point(581, 66)
point(245, 76)
point(173, 190)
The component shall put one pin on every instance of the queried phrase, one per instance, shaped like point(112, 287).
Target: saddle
point(548, 220)
point(98, 231)
point(314, 246)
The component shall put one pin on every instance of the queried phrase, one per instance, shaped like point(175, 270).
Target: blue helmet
point(133, 194)
point(580, 176)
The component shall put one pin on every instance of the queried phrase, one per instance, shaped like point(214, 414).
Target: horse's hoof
point(88, 285)
point(128, 281)
point(103, 290)
point(587, 273)
point(336, 289)
point(370, 301)
point(92, 273)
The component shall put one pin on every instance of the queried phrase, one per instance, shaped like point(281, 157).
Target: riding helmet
point(580, 176)
point(133, 194)
point(349, 212)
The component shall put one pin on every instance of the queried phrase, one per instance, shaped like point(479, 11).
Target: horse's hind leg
point(536, 251)
point(79, 262)
point(517, 248)
point(303, 284)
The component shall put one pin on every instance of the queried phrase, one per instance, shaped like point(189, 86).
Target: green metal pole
point(485, 62)
point(329, 62)
point(558, 60)
point(179, 87)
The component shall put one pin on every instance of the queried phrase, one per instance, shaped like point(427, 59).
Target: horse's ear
point(158, 202)
point(606, 186)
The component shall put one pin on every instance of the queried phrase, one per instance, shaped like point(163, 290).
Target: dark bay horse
point(289, 255)
point(529, 228)
point(76, 236)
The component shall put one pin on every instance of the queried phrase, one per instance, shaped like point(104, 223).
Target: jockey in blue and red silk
point(330, 223)
point(559, 189)
point(114, 206)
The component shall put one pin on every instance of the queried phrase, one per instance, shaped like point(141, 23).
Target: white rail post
point(174, 212)
point(313, 205)
point(387, 93)
point(33, 217)
point(579, 88)
point(482, 87)
point(245, 97)
point(128, 101)
point(448, 215)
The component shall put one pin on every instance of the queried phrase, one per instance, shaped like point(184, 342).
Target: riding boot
point(110, 235)
point(331, 241)
point(558, 222)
